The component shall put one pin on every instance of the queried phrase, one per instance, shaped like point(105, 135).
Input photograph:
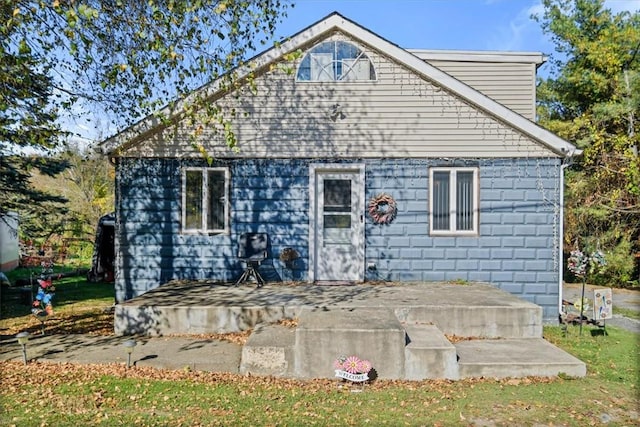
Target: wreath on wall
point(382, 208)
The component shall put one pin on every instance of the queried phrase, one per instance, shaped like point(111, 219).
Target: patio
point(412, 330)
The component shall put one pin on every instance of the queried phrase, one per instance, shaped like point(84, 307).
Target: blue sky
point(441, 24)
point(432, 24)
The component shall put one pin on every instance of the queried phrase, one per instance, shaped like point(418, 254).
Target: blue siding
point(266, 196)
point(516, 249)
point(519, 217)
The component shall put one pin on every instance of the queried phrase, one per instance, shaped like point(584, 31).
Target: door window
point(337, 214)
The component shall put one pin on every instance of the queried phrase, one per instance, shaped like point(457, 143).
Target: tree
point(593, 99)
point(27, 120)
point(88, 185)
point(128, 57)
point(119, 58)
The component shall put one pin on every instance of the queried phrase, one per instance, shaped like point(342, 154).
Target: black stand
point(251, 270)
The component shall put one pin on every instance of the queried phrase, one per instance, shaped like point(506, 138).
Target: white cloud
point(521, 33)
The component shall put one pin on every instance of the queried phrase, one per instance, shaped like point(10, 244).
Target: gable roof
point(409, 59)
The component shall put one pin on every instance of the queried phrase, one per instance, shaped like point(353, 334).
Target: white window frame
point(322, 67)
point(453, 231)
point(205, 196)
point(326, 65)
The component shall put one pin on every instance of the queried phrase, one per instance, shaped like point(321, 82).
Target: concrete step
point(324, 334)
point(520, 319)
point(269, 351)
point(397, 351)
point(503, 358)
point(428, 354)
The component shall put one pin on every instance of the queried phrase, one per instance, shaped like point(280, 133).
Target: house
point(9, 245)
point(371, 161)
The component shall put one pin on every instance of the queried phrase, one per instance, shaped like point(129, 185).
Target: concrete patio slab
point(400, 328)
point(501, 358)
point(160, 352)
point(470, 309)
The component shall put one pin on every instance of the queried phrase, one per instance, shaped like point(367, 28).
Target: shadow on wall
point(265, 197)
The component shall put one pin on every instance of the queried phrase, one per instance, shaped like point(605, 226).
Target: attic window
point(335, 61)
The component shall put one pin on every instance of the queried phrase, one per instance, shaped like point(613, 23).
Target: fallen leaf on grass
point(92, 322)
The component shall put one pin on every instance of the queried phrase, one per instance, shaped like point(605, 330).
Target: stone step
point(269, 351)
point(428, 354)
point(504, 358)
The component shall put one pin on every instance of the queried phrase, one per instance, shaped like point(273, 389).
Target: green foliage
point(593, 100)
point(36, 207)
point(88, 185)
point(27, 117)
point(129, 57)
point(620, 265)
point(27, 121)
point(120, 59)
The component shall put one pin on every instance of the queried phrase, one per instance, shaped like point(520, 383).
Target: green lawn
point(626, 312)
point(110, 395)
point(63, 395)
point(79, 306)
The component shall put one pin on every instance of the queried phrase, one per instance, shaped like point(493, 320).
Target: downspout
point(565, 165)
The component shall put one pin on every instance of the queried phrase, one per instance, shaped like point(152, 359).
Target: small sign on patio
point(602, 304)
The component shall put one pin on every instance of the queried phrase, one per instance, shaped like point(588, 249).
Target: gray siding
point(511, 84)
point(516, 249)
point(400, 115)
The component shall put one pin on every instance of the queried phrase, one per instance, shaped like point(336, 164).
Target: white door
point(338, 225)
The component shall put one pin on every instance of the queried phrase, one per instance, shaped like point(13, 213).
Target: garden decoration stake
point(42, 305)
point(580, 265)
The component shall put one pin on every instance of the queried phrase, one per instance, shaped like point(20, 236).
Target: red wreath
point(382, 208)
